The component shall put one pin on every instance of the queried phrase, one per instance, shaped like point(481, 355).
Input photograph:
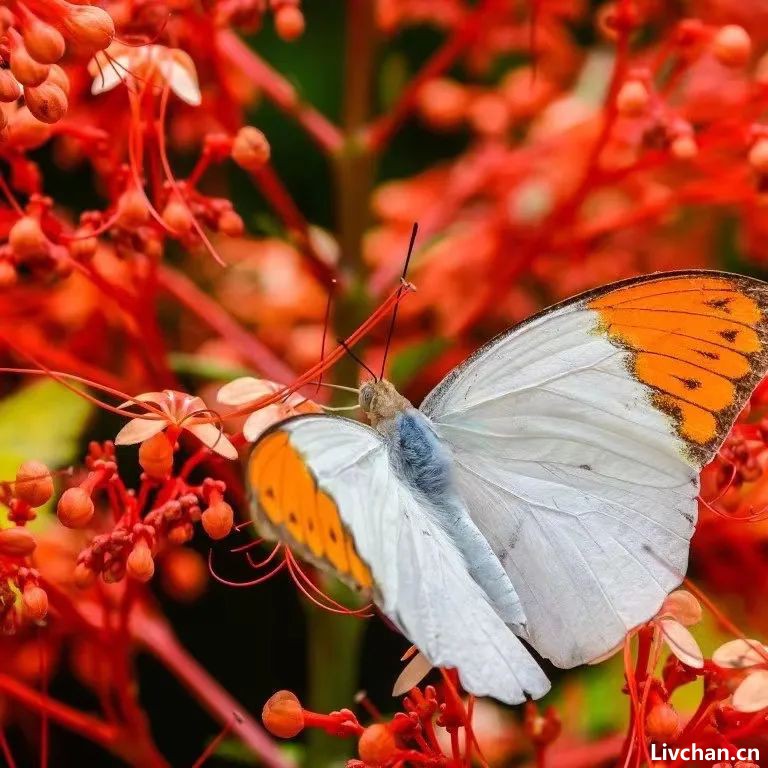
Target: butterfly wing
point(325, 485)
point(578, 437)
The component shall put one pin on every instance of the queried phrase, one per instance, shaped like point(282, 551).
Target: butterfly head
point(380, 401)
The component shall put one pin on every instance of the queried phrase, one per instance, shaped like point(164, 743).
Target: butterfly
point(545, 491)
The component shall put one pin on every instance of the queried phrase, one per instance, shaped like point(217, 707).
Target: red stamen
point(160, 135)
point(252, 583)
point(210, 750)
point(301, 579)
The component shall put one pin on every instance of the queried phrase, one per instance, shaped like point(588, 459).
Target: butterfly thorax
point(381, 403)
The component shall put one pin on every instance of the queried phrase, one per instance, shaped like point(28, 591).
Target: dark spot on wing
point(332, 535)
point(270, 492)
point(587, 467)
point(729, 335)
point(707, 354)
point(688, 516)
point(719, 304)
point(689, 383)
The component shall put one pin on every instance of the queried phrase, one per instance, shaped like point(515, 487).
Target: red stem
point(211, 312)
point(159, 640)
point(87, 726)
point(280, 199)
point(381, 131)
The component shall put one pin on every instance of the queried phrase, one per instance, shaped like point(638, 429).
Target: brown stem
point(156, 636)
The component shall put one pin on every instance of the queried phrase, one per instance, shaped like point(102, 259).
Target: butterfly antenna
point(331, 291)
point(414, 232)
point(356, 358)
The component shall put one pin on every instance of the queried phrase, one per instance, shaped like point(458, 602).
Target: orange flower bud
point(218, 519)
point(184, 574)
point(632, 99)
point(59, 77)
point(289, 22)
point(24, 68)
point(231, 224)
point(732, 46)
point(75, 508)
point(10, 89)
point(283, 716)
point(16, 542)
point(662, 723)
point(88, 28)
point(83, 248)
point(250, 149)
point(443, 103)
point(26, 131)
point(84, 576)
point(684, 147)
point(34, 483)
point(44, 42)
point(156, 456)
point(489, 114)
point(132, 208)
point(180, 534)
point(8, 274)
point(377, 745)
point(35, 601)
point(140, 565)
point(26, 238)
point(178, 217)
point(758, 155)
point(47, 102)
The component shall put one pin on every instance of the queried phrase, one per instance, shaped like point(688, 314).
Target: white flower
point(147, 64)
point(178, 410)
point(248, 390)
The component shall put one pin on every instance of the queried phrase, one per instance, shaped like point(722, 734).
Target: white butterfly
point(546, 490)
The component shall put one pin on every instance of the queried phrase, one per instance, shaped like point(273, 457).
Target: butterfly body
point(546, 489)
point(418, 455)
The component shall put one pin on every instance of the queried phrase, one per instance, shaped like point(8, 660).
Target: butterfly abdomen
point(421, 460)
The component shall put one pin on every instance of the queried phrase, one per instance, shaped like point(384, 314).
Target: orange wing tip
point(698, 343)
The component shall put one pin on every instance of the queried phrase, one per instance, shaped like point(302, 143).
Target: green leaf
point(206, 367)
point(42, 421)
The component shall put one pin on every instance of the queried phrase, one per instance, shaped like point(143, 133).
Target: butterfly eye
point(366, 397)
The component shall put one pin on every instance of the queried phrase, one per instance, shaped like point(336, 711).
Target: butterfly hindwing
point(578, 437)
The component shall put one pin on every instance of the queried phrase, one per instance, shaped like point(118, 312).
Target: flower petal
point(214, 438)
point(145, 397)
point(739, 654)
point(182, 79)
point(110, 73)
point(139, 430)
point(682, 606)
point(415, 671)
point(245, 390)
point(263, 419)
point(682, 643)
point(752, 694)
